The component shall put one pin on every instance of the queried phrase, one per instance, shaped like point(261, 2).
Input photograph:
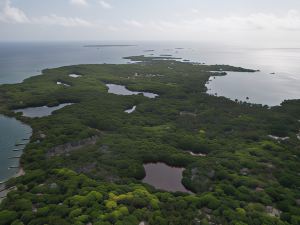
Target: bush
point(7, 217)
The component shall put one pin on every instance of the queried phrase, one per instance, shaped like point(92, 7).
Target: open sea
point(278, 80)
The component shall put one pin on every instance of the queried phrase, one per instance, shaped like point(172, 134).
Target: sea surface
point(278, 80)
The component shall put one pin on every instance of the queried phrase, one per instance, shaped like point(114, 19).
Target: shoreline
point(20, 170)
point(5, 190)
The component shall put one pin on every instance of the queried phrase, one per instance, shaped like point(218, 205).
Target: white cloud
point(133, 23)
point(79, 2)
point(113, 28)
point(253, 28)
point(11, 14)
point(105, 4)
point(189, 25)
point(61, 21)
point(196, 11)
point(256, 21)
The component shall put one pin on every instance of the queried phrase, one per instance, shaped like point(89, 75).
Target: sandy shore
point(4, 190)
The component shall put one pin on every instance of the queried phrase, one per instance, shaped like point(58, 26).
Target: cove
point(12, 132)
point(258, 88)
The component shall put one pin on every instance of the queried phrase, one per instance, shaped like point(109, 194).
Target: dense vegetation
point(246, 177)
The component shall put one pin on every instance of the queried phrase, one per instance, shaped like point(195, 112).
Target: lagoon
point(164, 177)
point(122, 90)
point(37, 112)
point(259, 87)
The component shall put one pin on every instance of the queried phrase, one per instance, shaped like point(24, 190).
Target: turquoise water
point(11, 132)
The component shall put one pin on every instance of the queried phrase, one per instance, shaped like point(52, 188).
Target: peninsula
point(86, 162)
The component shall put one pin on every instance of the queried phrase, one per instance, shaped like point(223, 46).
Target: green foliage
point(210, 201)
point(239, 174)
point(7, 217)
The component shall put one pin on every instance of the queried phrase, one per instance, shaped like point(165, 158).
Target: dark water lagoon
point(164, 177)
point(12, 132)
point(37, 112)
point(122, 90)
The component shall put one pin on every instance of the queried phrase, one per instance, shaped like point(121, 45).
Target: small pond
point(122, 90)
point(42, 111)
point(164, 177)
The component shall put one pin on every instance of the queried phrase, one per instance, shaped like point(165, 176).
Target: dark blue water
point(19, 61)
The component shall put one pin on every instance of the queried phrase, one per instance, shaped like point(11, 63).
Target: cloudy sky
point(263, 22)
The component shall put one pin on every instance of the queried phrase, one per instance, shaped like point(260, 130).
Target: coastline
point(5, 190)
point(20, 170)
point(162, 130)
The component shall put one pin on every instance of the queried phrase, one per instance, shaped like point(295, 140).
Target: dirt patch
point(71, 146)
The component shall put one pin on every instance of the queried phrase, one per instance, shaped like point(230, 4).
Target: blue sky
point(264, 22)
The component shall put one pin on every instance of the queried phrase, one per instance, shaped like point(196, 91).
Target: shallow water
point(164, 177)
point(122, 90)
point(259, 87)
point(37, 112)
point(11, 132)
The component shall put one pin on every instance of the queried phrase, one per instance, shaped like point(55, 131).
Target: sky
point(248, 22)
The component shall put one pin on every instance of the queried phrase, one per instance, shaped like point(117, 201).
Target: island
point(88, 162)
